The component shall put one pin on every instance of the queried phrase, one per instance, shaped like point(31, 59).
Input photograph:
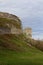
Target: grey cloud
point(30, 11)
point(26, 7)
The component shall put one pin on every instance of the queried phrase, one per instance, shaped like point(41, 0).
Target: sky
point(30, 13)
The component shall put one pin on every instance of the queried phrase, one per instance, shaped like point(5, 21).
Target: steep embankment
point(14, 48)
point(15, 51)
point(11, 41)
point(10, 31)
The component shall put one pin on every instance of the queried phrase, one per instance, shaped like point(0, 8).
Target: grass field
point(32, 57)
point(15, 51)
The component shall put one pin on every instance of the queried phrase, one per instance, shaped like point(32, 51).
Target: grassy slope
point(32, 57)
point(15, 51)
point(22, 54)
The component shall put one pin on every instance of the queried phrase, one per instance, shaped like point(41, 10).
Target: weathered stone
point(10, 24)
point(28, 32)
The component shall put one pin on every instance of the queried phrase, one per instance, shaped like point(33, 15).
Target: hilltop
point(11, 35)
point(16, 49)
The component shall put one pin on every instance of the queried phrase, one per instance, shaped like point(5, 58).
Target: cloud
point(30, 12)
point(27, 8)
point(39, 37)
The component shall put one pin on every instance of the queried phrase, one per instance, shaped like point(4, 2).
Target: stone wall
point(15, 30)
point(10, 16)
point(28, 32)
point(10, 26)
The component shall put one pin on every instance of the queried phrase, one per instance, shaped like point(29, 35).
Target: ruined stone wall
point(15, 30)
point(28, 32)
point(10, 26)
point(10, 16)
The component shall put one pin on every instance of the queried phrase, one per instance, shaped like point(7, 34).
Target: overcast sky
point(29, 11)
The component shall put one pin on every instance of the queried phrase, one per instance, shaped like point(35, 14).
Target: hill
point(11, 36)
point(15, 49)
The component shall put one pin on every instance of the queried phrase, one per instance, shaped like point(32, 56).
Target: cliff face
point(10, 24)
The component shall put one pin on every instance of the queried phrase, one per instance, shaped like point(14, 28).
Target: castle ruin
point(28, 32)
point(9, 24)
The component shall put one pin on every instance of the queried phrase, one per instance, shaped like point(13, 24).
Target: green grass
point(23, 55)
point(32, 57)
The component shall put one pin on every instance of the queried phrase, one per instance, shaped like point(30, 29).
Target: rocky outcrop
point(10, 24)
